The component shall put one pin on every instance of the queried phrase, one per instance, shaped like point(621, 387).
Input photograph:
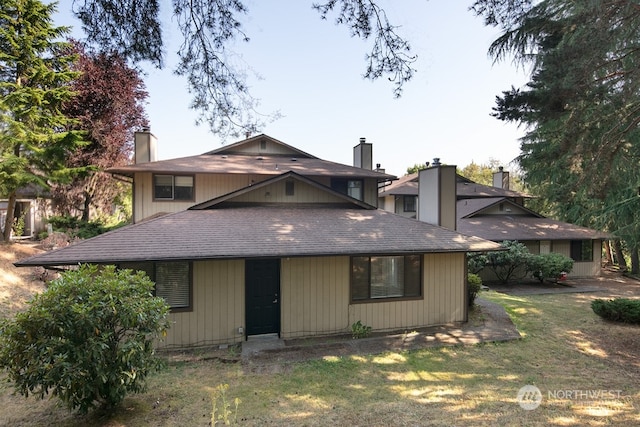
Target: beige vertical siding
point(315, 297)
point(582, 269)
point(218, 307)
point(210, 186)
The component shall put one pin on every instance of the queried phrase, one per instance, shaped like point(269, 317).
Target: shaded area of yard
point(565, 347)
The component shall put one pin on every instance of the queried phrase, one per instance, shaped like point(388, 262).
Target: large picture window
point(582, 250)
point(173, 187)
point(172, 280)
point(383, 277)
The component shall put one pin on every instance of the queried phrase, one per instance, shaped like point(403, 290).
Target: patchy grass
point(565, 347)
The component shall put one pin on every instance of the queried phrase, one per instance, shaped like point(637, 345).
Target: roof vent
point(436, 161)
point(293, 159)
point(260, 158)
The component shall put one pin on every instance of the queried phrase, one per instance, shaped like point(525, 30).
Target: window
point(382, 277)
point(351, 187)
point(172, 187)
point(409, 203)
point(172, 279)
point(289, 188)
point(582, 250)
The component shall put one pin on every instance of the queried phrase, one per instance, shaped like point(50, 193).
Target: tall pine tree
point(34, 77)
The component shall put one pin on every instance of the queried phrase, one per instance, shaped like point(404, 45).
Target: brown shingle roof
point(250, 164)
point(521, 227)
point(263, 231)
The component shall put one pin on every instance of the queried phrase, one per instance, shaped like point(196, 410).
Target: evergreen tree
point(34, 77)
point(581, 107)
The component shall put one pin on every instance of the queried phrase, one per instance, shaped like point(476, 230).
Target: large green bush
point(619, 309)
point(88, 339)
point(549, 266)
point(508, 263)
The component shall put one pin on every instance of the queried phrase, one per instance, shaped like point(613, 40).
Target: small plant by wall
point(358, 330)
point(474, 284)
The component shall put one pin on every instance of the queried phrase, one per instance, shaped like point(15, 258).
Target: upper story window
point(173, 187)
point(351, 187)
point(384, 277)
point(409, 203)
point(582, 250)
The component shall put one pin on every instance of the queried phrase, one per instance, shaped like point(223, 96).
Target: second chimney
point(363, 155)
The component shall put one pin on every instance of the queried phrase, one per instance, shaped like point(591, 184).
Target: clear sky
point(311, 72)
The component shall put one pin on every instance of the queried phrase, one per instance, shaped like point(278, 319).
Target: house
point(33, 207)
point(259, 237)
point(496, 213)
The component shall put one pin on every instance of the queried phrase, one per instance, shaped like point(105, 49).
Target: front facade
point(283, 243)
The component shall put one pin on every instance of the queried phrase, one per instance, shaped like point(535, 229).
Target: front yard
point(568, 352)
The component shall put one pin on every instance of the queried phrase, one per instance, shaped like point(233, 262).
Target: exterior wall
point(209, 186)
point(315, 297)
point(276, 193)
point(582, 269)
point(218, 307)
point(314, 301)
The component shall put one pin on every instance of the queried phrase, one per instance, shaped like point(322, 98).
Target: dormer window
point(173, 187)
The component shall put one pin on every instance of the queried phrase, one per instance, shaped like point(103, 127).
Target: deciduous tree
point(108, 107)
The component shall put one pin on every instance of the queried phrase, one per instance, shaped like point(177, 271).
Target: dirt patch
point(18, 285)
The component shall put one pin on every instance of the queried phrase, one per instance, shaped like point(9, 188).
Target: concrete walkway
point(493, 325)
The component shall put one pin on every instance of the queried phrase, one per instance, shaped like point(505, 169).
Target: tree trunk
point(635, 260)
point(8, 222)
point(607, 252)
point(86, 207)
point(622, 262)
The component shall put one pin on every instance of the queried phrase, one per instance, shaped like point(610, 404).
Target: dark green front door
point(262, 295)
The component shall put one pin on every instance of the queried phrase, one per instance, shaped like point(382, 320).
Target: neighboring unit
point(259, 237)
point(494, 213)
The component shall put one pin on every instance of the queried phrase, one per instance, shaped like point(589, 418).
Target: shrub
point(87, 339)
point(75, 227)
point(358, 330)
point(506, 263)
point(549, 266)
point(476, 261)
point(474, 284)
point(619, 309)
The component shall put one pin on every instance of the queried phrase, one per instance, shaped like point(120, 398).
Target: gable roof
point(263, 231)
point(465, 188)
point(522, 227)
point(251, 146)
point(221, 229)
point(471, 207)
point(242, 158)
point(339, 197)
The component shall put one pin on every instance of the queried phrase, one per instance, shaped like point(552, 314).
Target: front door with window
point(262, 295)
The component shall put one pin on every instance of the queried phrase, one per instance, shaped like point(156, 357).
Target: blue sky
point(311, 72)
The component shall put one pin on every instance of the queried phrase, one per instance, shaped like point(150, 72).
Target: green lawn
point(565, 349)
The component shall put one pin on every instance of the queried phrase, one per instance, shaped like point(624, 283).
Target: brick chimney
point(437, 195)
point(145, 150)
point(363, 155)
